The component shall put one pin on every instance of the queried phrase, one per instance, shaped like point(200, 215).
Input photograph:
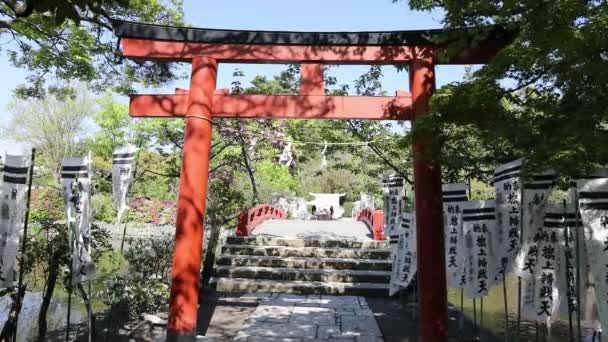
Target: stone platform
point(346, 228)
point(288, 317)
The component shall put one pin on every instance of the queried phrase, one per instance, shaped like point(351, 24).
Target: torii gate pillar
point(183, 310)
point(432, 289)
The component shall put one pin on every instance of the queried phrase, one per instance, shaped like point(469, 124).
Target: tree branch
point(379, 153)
point(22, 9)
point(168, 175)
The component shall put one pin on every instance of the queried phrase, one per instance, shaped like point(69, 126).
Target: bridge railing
point(374, 219)
point(253, 217)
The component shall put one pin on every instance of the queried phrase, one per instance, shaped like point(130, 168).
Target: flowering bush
point(154, 211)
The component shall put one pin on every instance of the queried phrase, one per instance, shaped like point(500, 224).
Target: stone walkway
point(346, 228)
point(299, 318)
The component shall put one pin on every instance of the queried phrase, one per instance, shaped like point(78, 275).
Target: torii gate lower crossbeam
point(204, 48)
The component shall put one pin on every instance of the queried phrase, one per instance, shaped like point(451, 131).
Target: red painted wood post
point(378, 222)
point(311, 80)
point(183, 310)
point(432, 290)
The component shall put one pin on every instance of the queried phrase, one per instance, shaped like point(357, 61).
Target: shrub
point(103, 208)
point(145, 286)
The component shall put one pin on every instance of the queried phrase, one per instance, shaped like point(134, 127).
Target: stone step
point(286, 242)
point(298, 274)
point(314, 252)
point(307, 263)
point(300, 287)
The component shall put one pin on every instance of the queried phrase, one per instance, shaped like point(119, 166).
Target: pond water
point(492, 322)
point(56, 318)
point(491, 325)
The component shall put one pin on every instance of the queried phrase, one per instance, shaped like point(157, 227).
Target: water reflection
point(28, 319)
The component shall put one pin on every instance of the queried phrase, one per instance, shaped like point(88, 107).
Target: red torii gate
point(205, 48)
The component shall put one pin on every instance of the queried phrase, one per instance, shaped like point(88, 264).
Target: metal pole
point(567, 255)
point(24, 242)
point(577, 229)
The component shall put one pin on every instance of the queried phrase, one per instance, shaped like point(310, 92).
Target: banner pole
point(504, 291)
point(67, 328)
point(24, 241)
point(474, 319)
point(474, 300)
point(578, 266)
point(461, 319)
point(71, 238)
point(90, 296)
point(480, 319)
point(126, 212)
point(521, 242)
point(569, 279)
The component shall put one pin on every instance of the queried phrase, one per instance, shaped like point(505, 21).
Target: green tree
point(73, 39)
point(55, 125)
point(543, 97)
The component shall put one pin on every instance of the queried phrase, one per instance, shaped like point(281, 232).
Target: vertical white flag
point(397, 244)
point(507, 181)
point(409, 264)
point(394, 194)
point(123, 160)
point(593, 204)
point(550, 247)
point(454, 195)
point(76, 187)
point(12, 215)
point(571, 225)
point(479, 225)
point(537, 190)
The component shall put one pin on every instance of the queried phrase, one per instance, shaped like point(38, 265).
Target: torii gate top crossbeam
point(157, 42)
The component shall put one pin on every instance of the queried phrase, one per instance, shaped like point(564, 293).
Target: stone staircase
point(305, 266)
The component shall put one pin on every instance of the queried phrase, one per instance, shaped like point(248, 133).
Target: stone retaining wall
point(147, 231)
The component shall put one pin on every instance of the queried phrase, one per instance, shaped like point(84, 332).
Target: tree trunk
point(10, 327)
point(47, 296)
point(210, 253)
point(248, 167)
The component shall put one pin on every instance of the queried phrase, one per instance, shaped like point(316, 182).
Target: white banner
point(479, 225)
point(123, 160)
point(404, 254)
point(394, 195)
point(12, 215)
point(76, 186)
point(454, 195)
point(567, 258)
point(507, 181)
point(549, 292)
point(537, 190)
point(593, 204)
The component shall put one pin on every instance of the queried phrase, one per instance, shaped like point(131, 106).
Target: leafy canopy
point(543, 97)
point(73, 39)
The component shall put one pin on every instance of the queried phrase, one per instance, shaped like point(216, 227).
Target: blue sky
point(309, 15)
